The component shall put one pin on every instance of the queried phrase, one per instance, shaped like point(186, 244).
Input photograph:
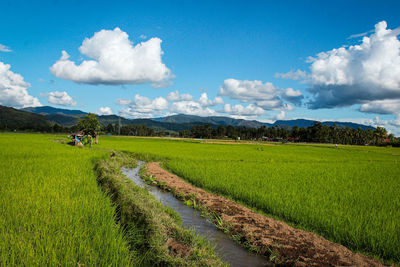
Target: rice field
point(349, 194)
point(52, 212)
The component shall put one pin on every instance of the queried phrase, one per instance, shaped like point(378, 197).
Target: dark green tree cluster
point(137, 130)
point(90, 126)
point(317, 133)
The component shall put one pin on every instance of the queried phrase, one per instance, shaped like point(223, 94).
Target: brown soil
point(289, 245)
point(178, 249)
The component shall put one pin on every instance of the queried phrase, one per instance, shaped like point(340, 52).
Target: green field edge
point(225, 227)
point(148, 226)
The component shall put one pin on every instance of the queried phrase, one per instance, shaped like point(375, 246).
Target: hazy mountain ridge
point(219, 120)
point(53, 110)
point(178, 122)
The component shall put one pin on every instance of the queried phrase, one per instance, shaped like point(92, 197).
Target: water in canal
point(227, 249)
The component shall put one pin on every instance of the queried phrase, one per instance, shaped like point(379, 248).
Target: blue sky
point(199, 47)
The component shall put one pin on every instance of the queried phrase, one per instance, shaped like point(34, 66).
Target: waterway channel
point(226, 248)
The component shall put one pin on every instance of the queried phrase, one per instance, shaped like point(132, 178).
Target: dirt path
point(290, 245)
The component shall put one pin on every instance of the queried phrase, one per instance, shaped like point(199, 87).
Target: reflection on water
point(228, 250)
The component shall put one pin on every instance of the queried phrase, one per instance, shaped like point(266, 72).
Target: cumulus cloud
point(292, 75)
point(247, 91)
point(131, 113)
point(264, 95)
point(60, 98)
point(280, 116)
point(114, 60)
point(13, 89)
point(4, 48)
point(249, 110)
point(104, 111)
point(144, 107)
point(387, 106)
point(176, 96)
point(192, 108)
point(358, 74)
point(205, 102)
point(175, 103)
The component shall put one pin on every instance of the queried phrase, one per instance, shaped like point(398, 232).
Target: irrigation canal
point(227, 249)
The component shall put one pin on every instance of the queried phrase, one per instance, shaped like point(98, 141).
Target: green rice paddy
point(53, 212)
point(349, 194)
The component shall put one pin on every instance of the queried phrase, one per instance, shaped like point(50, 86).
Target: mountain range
point(67, 117)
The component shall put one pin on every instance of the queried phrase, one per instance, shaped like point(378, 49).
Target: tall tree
point(90, 125)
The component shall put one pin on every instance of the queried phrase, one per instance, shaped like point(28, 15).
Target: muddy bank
point(276, 239)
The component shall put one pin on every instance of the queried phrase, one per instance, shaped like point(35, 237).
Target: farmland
point(62, 205)
point(52, 211)
point(347, 194)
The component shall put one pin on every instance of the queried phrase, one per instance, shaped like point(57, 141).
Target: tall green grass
point(350, 195)
point(52, 212)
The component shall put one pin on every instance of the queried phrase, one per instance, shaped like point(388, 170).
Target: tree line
point(317, 133)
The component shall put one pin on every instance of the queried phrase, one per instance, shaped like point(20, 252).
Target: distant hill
point(218, 120)
point(213, 120)
point(178, 122)
point(307, 123)
point(52, 110)
point(64, 120)
point(15, 119)
point(156, 125)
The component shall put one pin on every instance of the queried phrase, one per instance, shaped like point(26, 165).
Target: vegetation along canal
point(228, 249)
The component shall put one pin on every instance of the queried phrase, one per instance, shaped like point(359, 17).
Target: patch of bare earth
point(289, 245)
point(176, 248)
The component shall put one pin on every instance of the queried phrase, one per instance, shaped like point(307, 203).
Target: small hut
point(77, 138)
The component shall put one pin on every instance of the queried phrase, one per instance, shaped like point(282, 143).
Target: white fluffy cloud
point(104, 111)
point(359, 73)
point(264, 95)
point(248, 91)
point(192, 108)
point(114, 60)
point(388, 106)
point(4, 48)
point(184, 104)
point(205, 102)
point(144, 107)
point(249, 110)
point(60, 98)
point(13, 89)
point(176, 96)
point(280, 116)
point(292, 75)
